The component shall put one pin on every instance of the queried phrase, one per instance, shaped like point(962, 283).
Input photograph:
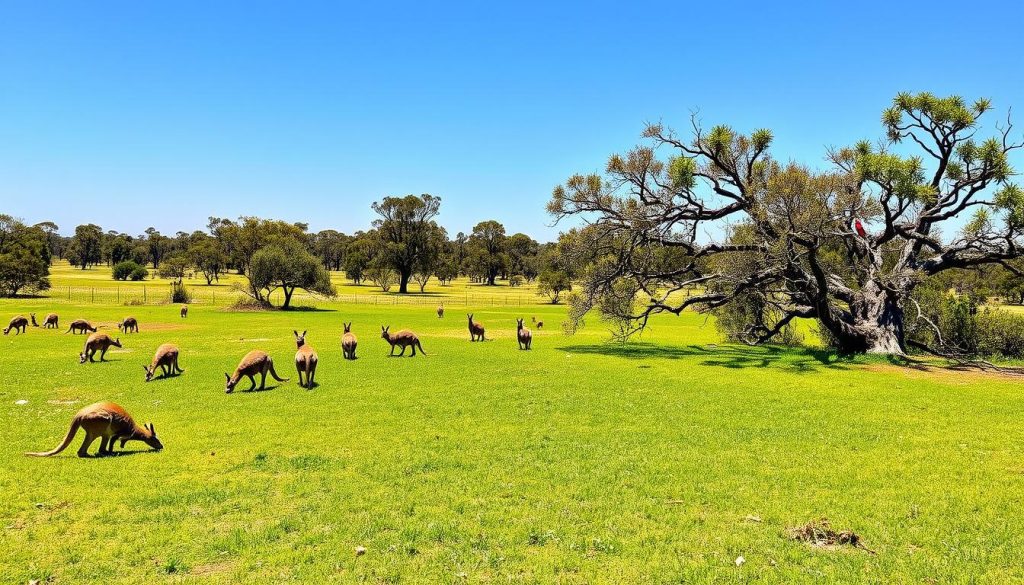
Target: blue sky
point(137, 114)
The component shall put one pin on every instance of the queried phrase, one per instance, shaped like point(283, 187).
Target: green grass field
point(581, 461)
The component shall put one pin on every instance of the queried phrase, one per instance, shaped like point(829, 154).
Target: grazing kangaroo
point(80, 325)
point(539, 324)
point(109, 422)
point(402, 339)
point(476, 330)
point(440, 311)
point(33, 317)
point(18, 323)
point(524, 335)
point(184, 311)
point(50, 322)
point(100, 342)
point(129, 325)
point(166, 359)
point(305, 360)
point(254, 362)
point(348, 342)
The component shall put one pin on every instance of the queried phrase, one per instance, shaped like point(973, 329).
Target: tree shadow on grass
point(801, 359)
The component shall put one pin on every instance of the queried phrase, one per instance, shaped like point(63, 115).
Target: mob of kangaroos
point(476, 329)
point(539, 324)
point(100, 342)
point(80, 326)
point(254, 362)
point(348, 342)
point(109, 422)
point(166, 359)
point(129, 325)
point(403, 339)
point(19, 324)
point(305, 360)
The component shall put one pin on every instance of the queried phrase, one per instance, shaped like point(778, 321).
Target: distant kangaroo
point(348, 342)
point(476, 330)
point(166, 359)
point(539, 324)
point(33, 316)
point(254, 362)
point(305, 360)
point(109, 422)
point(51, 321)
point(184, 311)
point(80, 325)
point(402, 339)
point(440, 311)
point(100, 342)
point(19, 324)
point(129, 325)
point(524, 335)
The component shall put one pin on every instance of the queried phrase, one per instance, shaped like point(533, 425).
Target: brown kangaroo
point(18, 323)
point(80, 325)
point(539, 324)
point(51, 321)
point(440, 311)
point(109, 422)
point(524, 335)
point(254, 362)
point(403, 339)
point(305, 360)
point(184, 311)
point(476, 330)
point(33, 317)
point(100, 342)
point(129, 325)
point(348, 342)
point(166, 359)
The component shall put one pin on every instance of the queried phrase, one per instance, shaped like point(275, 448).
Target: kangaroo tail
point(64, 444)
point(420, 346)
point(274, 374)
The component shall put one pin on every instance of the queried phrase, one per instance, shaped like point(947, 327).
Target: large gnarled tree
point(723, 220)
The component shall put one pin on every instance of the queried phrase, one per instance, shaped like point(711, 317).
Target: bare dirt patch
point(819, 533)
point(209, 569)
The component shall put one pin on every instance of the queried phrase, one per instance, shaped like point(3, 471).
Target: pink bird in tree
point(860, 228)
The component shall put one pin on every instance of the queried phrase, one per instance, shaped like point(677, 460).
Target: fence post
point(143, 294)
point(94, 295)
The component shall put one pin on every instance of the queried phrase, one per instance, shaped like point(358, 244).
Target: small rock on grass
point(740, 560)
point(21, 402)
point(360, 551)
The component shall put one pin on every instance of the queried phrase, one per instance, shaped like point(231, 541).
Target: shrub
point(180, 294)
point(138, 274)
point(125, 270)
point(969, 331)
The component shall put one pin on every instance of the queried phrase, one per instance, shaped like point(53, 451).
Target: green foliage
point(174, 267)
point(24, 258)
point(408, 236)
point(287, 265)
point(180, 293)
point(552, 283)
point(129, 269)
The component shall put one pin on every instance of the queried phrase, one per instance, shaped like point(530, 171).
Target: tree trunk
point(403, 285)
point(877, 323)
point(288, 291)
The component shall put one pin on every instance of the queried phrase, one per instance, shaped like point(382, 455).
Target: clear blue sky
point(133, 114)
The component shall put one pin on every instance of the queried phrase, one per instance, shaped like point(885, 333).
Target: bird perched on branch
point(860, 228)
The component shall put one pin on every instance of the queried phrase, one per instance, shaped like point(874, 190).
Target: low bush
point(129, 270)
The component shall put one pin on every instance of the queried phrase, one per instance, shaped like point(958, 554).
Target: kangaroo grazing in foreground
point(80, 325)
point(100, 342)
point(524, 335)
point(166, 359)
point(539, 324)
point(110, 422)
point(129, 325)
point(184, 311)
point(476, 330)
point(50, 322)
point(402, 339)
point(440, 311)
point(254, 362)
point(348, 342)
point(305, 360)
point(18, 323)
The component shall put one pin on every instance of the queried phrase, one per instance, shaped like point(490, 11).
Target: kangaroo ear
point(303, 332)
point(228, 376)
point(295, 332)
point(146, 368)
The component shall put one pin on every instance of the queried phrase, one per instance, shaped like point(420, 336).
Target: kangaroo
point(348, 342)
point(402, 339)
point(440, 311)
point(166, 359)
point(539, 324)
point(100, 342)
point(305, 359)
point(129, 325)
point(254, 362)
point(33, 317)
point(476, 330)
point(50, 322)
point(80, 325)
point(184, 311)
point(109, 422)
point(19, 324)
point(524, 335)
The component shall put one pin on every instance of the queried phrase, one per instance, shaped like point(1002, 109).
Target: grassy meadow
point(581, 461)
